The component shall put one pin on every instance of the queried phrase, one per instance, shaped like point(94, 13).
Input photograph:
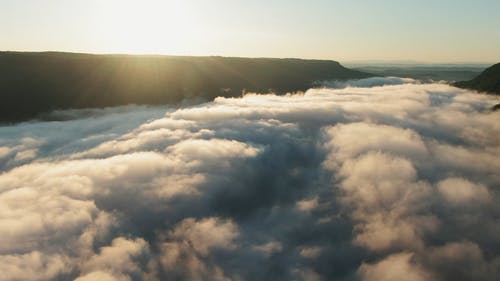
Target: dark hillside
point(488, 81)
point(33, 83)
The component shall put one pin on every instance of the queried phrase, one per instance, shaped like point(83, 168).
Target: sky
point(362, 30)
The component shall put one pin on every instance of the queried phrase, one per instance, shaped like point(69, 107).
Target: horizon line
point(347, 61)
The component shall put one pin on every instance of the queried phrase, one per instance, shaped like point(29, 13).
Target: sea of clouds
point(373, 180)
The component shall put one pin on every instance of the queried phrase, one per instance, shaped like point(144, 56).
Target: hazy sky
point(418, 30)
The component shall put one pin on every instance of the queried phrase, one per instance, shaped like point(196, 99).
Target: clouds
point(461, 191)
point(119, 261)
point(206, 234)
point(187, 250)
point(395, 267)
point(391, 181)
point(33, 266)
point(368, 82)
point(386, 199)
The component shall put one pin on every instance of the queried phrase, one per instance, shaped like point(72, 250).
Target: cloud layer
point(380, 180)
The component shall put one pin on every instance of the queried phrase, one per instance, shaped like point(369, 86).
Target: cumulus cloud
point(206, 234)
point(308, 204)
point(395, 267)
point(310, 252)
point(33, 266)
point(376, 179)
point(187, 249)
point(457, 191)
point(118, 259)
point(269, 248)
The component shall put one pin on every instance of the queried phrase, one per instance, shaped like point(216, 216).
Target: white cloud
point(206, 234)
point(395, 267)
point(102, 276)
point(308, 204)
point(118, 259)
point(310, 252)
point(397, 172)
point(457, 190)
point(33, 266)
point(187, 249)
point(269, 248)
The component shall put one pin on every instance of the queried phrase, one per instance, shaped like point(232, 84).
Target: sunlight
point(147, 27)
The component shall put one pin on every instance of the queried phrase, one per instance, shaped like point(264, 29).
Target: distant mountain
point(34, 83)
point(488, 81)
point(428, 73)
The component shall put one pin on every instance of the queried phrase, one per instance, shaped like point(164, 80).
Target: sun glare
point(145, 27)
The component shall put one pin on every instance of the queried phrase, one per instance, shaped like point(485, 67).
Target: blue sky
point(424, 30)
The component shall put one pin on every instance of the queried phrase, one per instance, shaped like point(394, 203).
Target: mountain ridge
point(488, 81)
point(33, 83)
